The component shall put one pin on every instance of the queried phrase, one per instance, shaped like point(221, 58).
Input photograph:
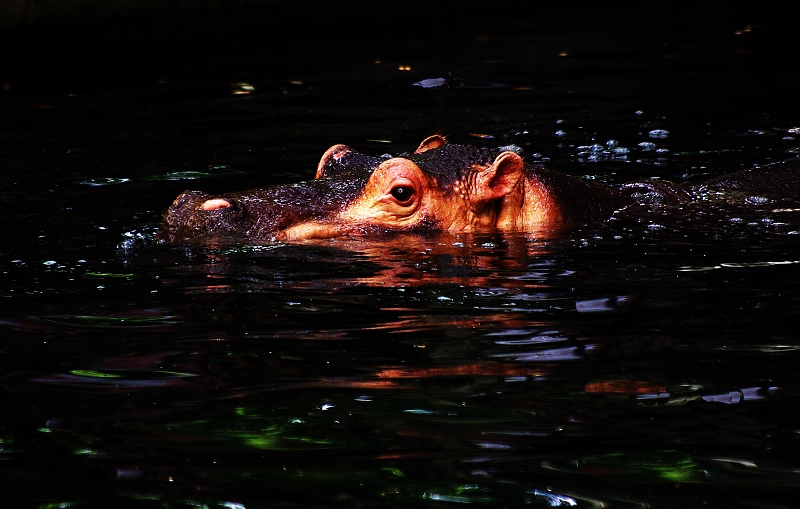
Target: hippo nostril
point(215, 204)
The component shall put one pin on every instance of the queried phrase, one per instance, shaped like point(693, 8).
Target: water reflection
point(648, 362)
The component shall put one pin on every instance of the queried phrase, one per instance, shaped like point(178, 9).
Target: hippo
point(443, 186)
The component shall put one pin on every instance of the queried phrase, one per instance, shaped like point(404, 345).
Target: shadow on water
point(650, 361)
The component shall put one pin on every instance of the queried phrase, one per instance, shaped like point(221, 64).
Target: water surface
point(638, 363)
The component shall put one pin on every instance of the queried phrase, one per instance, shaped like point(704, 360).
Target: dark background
point(388, 371)
point(56, 47)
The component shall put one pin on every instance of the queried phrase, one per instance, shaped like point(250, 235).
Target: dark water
point(649, 363)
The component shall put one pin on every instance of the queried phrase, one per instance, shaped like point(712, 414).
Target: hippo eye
point(402, 194)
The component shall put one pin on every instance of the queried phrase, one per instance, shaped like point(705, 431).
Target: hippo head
point(438, 187)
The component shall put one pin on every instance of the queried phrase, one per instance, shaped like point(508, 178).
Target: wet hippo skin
point(443, 186)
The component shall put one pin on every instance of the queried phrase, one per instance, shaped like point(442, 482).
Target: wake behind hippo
point(450, 187)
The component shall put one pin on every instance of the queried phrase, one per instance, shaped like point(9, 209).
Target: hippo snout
point(262, 214)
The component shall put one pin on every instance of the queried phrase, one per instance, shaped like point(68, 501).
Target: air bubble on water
point(134, 238)
point(658, 133)
point(182, 175)
point(560, 133)
point(596, 152)
point(756, 200)
point(647, 146)
point(431, 83)
point(126, 245)
point(511, 148)
point(105, 181)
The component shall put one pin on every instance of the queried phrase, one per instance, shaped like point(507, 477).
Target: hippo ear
point(498, 179)
point(430, 143)
point(330, 160)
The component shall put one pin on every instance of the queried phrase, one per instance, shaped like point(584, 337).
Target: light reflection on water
point(648, 362)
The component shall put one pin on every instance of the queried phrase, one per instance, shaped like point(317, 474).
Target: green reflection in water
point(94, 374)
point(250, 429)
point(6, 445)
point(462, 494)
point(108, 275)
point(91, 373)
point(668, 466)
